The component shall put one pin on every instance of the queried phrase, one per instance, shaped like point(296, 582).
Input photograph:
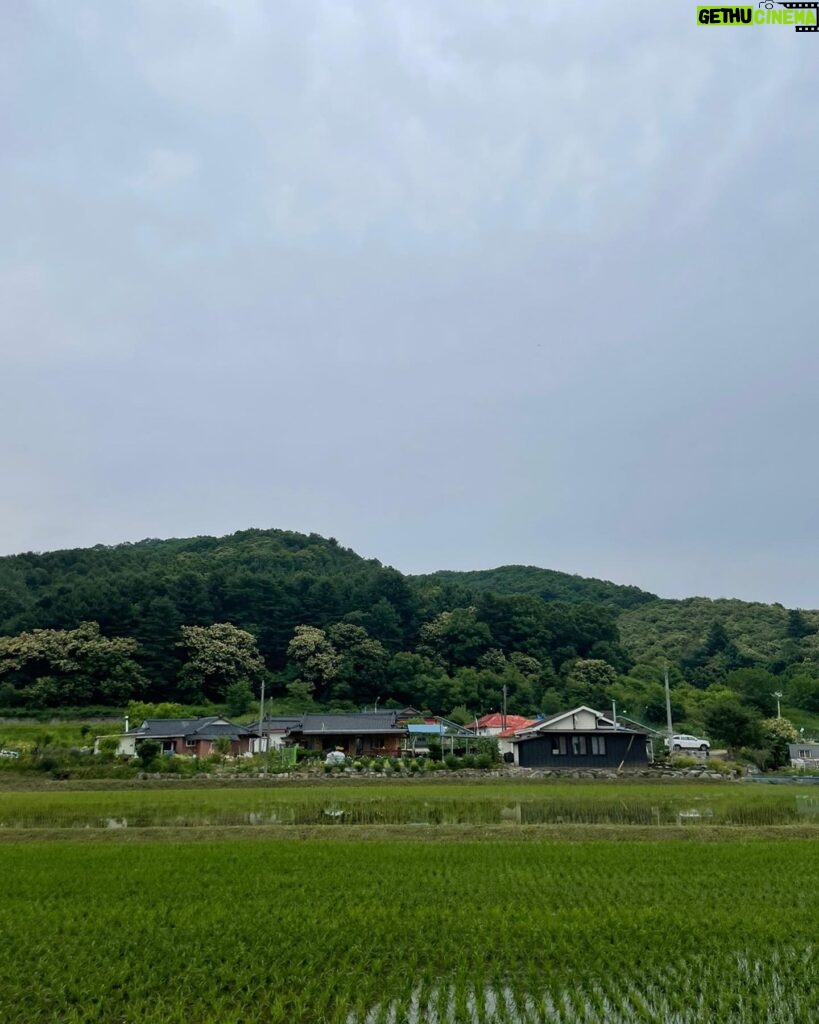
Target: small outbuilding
point(273, 732)
point(580, 738)
point(804, 755)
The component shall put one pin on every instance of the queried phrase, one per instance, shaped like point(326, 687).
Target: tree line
point(461, 657)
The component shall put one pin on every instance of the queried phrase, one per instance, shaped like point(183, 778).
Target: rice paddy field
point(604, 913)
point(414, 803)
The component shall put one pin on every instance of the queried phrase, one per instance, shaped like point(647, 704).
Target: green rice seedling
point(401, 803)
point(350, 932)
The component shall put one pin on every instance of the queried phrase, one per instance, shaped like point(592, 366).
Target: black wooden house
point(581, 738)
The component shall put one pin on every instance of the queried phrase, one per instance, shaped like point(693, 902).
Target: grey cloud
point(459, 285)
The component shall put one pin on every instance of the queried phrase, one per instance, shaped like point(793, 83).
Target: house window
point(579, 746)
point(598, 745)
point(559, 746)
point(190, 743)
point(804, 753)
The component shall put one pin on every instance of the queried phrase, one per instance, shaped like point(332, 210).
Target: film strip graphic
point(813, 5)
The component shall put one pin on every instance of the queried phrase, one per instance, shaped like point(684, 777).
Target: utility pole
point(262, 744)
point(504, 707)
point(668, 711)
point(779, 695)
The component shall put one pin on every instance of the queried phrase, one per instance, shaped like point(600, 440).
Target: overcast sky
point(460, 284)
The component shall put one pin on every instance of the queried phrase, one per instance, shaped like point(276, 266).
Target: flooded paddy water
point(425, 806)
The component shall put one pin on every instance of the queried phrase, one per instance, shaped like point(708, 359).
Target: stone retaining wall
point(462, 774)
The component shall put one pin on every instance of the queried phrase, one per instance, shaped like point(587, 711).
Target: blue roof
point(428, 728)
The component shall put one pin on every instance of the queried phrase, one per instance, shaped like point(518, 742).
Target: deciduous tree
point(315, 657)
point(52, 667)
point(218, 656)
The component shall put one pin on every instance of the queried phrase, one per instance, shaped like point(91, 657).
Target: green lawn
point(802, 720)
point(24, 735)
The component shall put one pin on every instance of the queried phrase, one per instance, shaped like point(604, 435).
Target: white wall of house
point(505, 746)
point(581, 719)
point(273, 741)
point(127, 746)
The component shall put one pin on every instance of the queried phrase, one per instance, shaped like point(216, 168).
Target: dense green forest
point(208, 619)
point(544, 583)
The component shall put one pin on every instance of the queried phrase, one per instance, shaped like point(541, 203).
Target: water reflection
point(454, 812)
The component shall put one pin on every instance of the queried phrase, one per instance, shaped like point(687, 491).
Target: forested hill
point(547, 584)
point(210, 618)
point(748, 632)
point(192, 617)
point(266, 581)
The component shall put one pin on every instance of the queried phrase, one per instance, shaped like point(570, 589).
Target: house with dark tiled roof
point(356, 733)
point(197, 737)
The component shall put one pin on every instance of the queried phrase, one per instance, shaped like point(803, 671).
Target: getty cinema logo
point(803, 16)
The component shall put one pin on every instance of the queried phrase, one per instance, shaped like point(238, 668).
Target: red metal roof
point(495, 721)
point(524, 724)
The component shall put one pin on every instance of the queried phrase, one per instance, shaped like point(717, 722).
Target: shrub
point(717, 764)
point(759, 756)
point(489, 746)
point(777, 733)
point(107, 746)
point(147, 752)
